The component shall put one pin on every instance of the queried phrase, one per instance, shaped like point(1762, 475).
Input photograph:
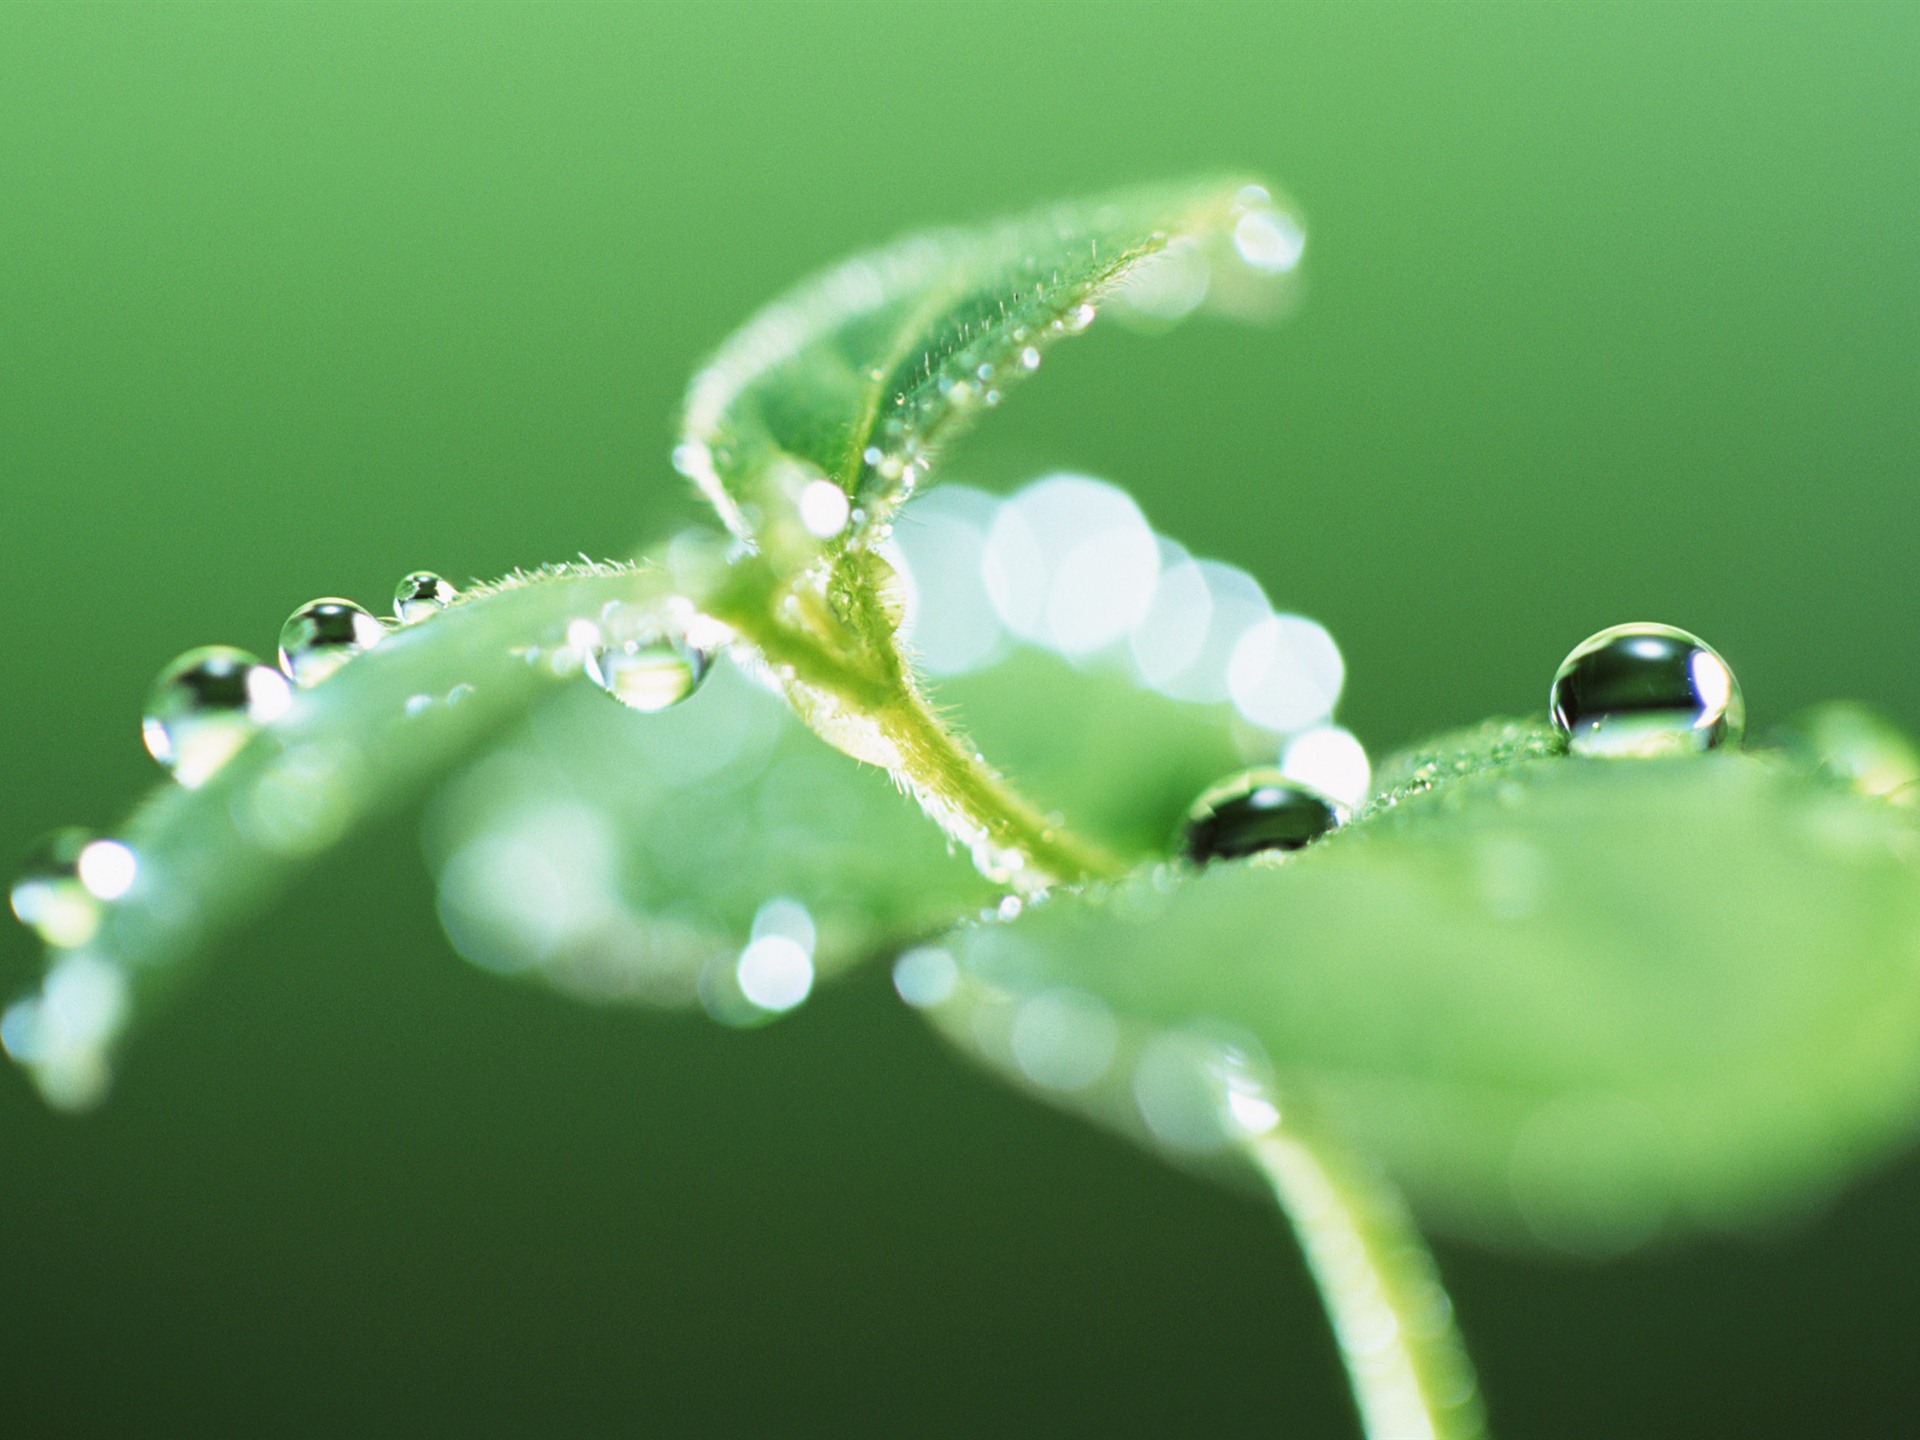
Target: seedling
point(1579, 984)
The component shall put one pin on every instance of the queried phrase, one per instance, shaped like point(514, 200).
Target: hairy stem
point(957, 787)
point(864, 673)
point(1393, 1322)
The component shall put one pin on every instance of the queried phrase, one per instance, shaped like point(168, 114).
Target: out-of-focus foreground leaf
point(1572, 1001)
point(634, 858)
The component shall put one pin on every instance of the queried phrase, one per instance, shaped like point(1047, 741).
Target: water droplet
point(649, 673)
point(926, 976)
point(421, 594)
point(50, 898)
point(824, 509)
point(775, 972)
point(1330, 760)
point(323, 635)
point(206, 705)
point(1644, 689)
point(1269, 240)
point(1064, 1039)
point(1255, 811)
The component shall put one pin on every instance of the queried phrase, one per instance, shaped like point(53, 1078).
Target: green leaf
point(618, 856)
point(860, 375)
point(1570, 1001)
point(627, 858)
point(367, 738)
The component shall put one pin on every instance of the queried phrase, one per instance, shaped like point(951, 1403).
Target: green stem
point(1393, 1322)
point(945, 775)
point(1011, 840)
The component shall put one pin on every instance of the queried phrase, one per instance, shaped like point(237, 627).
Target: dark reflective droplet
point(1255, 811)
point(420, 595)
point(323, 635)
point(1642, 690)
point(206, 705)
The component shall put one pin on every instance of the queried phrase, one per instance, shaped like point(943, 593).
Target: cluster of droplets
point(202, 710)
point(209, 702)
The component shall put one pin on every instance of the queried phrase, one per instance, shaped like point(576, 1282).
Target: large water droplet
point(1255, 811)
point(1644, 689)
point(421, 594)
point(651, 672)
point(323, 635)
point(206, 705)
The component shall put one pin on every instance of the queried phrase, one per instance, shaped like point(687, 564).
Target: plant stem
point(870, 679)
point(1393, 1322)
point(959, 789)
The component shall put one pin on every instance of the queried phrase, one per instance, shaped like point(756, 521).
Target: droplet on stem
point(421, 594)
point(1641, 690)
point(1256, 811)
point(206, 705)
point(323, 635)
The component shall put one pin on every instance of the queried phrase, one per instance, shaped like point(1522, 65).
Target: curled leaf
point(855, 379)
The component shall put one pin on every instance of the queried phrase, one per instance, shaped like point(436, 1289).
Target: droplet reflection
point(1258, 811)
point(323, 635)
point(206, 705)
point(420, 595)
point(1642, 690)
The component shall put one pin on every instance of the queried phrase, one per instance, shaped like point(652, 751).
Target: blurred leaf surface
point(1577, 1002)
point(626, 857)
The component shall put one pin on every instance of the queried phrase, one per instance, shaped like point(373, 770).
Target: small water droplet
point(1077, 319)
point(421, 594)
point(323, 635)
point(824, 509)
point(1644, 689)
point(1269, 240)
point(1256, 811)
point(206, 705)
point(649, 673)
point(926, 976)
point(50, 898)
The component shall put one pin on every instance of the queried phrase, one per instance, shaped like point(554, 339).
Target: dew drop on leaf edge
point(651, 673)
point(48, 896)
point(1256, 811)
point(206, 705)
point(422, 594)
point(1641, 690)
point(323, 635)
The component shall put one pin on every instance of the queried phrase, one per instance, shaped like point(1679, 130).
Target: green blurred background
point(1612, 315)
